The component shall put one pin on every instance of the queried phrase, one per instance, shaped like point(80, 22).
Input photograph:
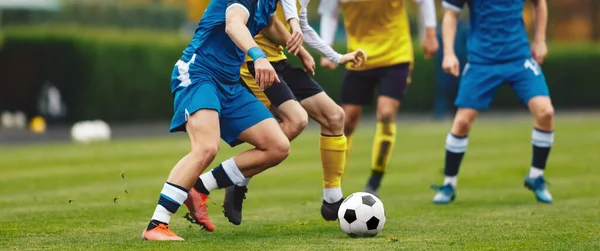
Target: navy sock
point(216, 178)
point(456, 146)
point(375, 180)
point(542, 143)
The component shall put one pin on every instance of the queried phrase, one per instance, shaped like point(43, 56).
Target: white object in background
point(7, 120)
point(19, 120)
point(90, 131)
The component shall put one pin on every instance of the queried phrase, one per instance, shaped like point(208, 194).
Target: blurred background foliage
point(104, 55)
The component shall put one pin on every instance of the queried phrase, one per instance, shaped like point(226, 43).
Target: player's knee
point(205, 150)
point(335, 119)
point(545, 113)
point(462, 125)
point(386, 114)
point(278, 150)
point(298, 124)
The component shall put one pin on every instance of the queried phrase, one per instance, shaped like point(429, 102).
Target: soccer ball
point(361, 215)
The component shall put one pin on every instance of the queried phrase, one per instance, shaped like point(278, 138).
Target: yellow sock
point(385, 138)
point(333, 158)
point(348, 147)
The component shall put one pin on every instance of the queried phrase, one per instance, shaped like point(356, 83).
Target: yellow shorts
point(254, 88)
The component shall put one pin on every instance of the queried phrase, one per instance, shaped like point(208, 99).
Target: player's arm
point(277, 33)
point(291, 15)
point(538, 48)
point(430, 43)
point(328, 9)
point(236, 17)
point(452, 11)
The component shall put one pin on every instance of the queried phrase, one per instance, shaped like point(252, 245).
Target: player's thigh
point(358, 87)
point(250, 83)
point(528, 81)
point(324, 110)
point(202, 128)
point(478, 86)
point(310, 94)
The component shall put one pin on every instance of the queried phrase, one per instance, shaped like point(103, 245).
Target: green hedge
point(120, 76)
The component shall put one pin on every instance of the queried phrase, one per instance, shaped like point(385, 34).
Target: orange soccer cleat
point(160, 233)
point(196, 204)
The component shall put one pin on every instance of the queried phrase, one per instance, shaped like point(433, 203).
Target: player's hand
point(265, 75)
point(450, 65)
point(357, 57)
point(325, 63)
point(295, 42)
point(539, 51)
point(430, 44)
point(308, 61)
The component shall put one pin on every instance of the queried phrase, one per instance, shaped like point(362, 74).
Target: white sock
point(209, 181)
point(244, 183)
point(170, 195)
point(535, 172)
point(234, 173)
point(332, 195)
point(162, 214)
point(451, 180)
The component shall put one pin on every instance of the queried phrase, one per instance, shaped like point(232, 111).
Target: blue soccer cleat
point(445, 194)
point(538, 187)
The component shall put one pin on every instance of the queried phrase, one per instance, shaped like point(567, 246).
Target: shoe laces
point(445, 189)
point(164, 229)
point(540, 183)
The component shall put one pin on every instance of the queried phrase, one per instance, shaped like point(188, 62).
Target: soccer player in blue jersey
point(210, 101)
point(499, 52)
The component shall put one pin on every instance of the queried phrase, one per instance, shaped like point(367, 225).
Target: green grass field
point(492, 212)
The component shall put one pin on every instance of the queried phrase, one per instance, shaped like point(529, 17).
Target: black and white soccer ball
point(361, 215)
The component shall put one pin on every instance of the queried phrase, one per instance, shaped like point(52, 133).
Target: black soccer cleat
point(373, 184)
point(232, 205)
point(329, 211)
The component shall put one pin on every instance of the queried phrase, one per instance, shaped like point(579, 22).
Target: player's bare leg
point(333, 145)
point(271, 147)
point(293, 120)
point(203, 130)
point(352, 113)
point(542, 138)
point(383, 144)
point(456, 146)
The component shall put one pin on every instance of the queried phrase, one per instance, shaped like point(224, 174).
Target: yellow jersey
point(379, 27)
point(274, 51)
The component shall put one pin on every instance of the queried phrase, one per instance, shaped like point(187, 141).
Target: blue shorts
point(194, 90)
point(479, 82)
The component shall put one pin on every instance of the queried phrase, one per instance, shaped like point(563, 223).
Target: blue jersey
point(497, 30)
point(215, 52)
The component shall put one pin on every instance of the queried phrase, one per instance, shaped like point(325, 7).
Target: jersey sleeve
point(289, 9)
point(246, 5)
point(312, 39)
point(455, 5)
point(427, 8)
